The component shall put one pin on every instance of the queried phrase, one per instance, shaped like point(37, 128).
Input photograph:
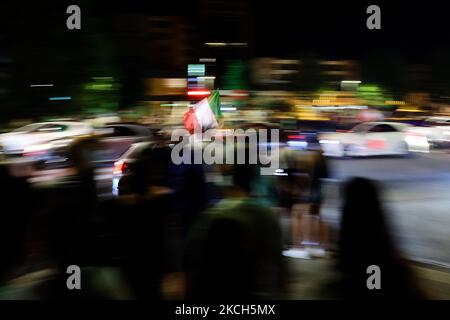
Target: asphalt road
point(415, 192)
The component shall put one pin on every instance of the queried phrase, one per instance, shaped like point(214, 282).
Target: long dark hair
point(365, 239)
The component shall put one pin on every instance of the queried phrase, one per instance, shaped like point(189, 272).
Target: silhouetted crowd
point(174, 233)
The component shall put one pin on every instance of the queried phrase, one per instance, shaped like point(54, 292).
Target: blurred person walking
point(235, 249)
point(365, 240)
point(141, 218)
point(300, 190)
point(76, 233)
point(16, 211)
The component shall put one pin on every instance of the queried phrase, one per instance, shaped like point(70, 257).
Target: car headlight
point(37, 148)
point(61, 143)
point(327, 141)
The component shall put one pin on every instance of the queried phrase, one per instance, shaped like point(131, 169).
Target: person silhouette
point(364, 241)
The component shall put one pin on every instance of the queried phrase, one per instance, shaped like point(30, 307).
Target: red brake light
point(199, 93)
point(296, 136)
point(120, 167)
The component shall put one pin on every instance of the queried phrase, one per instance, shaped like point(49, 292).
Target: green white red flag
point(204, 114)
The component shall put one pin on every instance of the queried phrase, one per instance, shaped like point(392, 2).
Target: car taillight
point(296, 136)
point(120, 167)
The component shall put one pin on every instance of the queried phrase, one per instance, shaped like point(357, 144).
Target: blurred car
point(116, 139)
point(372, 139)
point(436, 130)
point(124, 167)
point(42, 141)
point(304, 134)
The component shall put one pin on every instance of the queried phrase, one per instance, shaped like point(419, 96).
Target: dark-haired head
point(244, 172)
point(365, 240)
point(364, 231)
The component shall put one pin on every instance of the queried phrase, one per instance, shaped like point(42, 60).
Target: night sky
point(334, 29)
point(339, 30)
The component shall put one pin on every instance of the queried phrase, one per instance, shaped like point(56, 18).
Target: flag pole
point(221, 121)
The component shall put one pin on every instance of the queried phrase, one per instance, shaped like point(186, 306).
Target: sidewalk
point(308, 279)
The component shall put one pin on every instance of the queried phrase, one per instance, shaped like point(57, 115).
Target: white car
point(38, 138)
point(373, 139)
point(436, 129)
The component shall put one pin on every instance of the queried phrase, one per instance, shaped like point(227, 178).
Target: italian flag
point(203, 115)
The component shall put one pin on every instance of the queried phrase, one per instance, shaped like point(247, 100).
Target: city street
point(415, 195)
point(414, 189)
point(132, 137)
